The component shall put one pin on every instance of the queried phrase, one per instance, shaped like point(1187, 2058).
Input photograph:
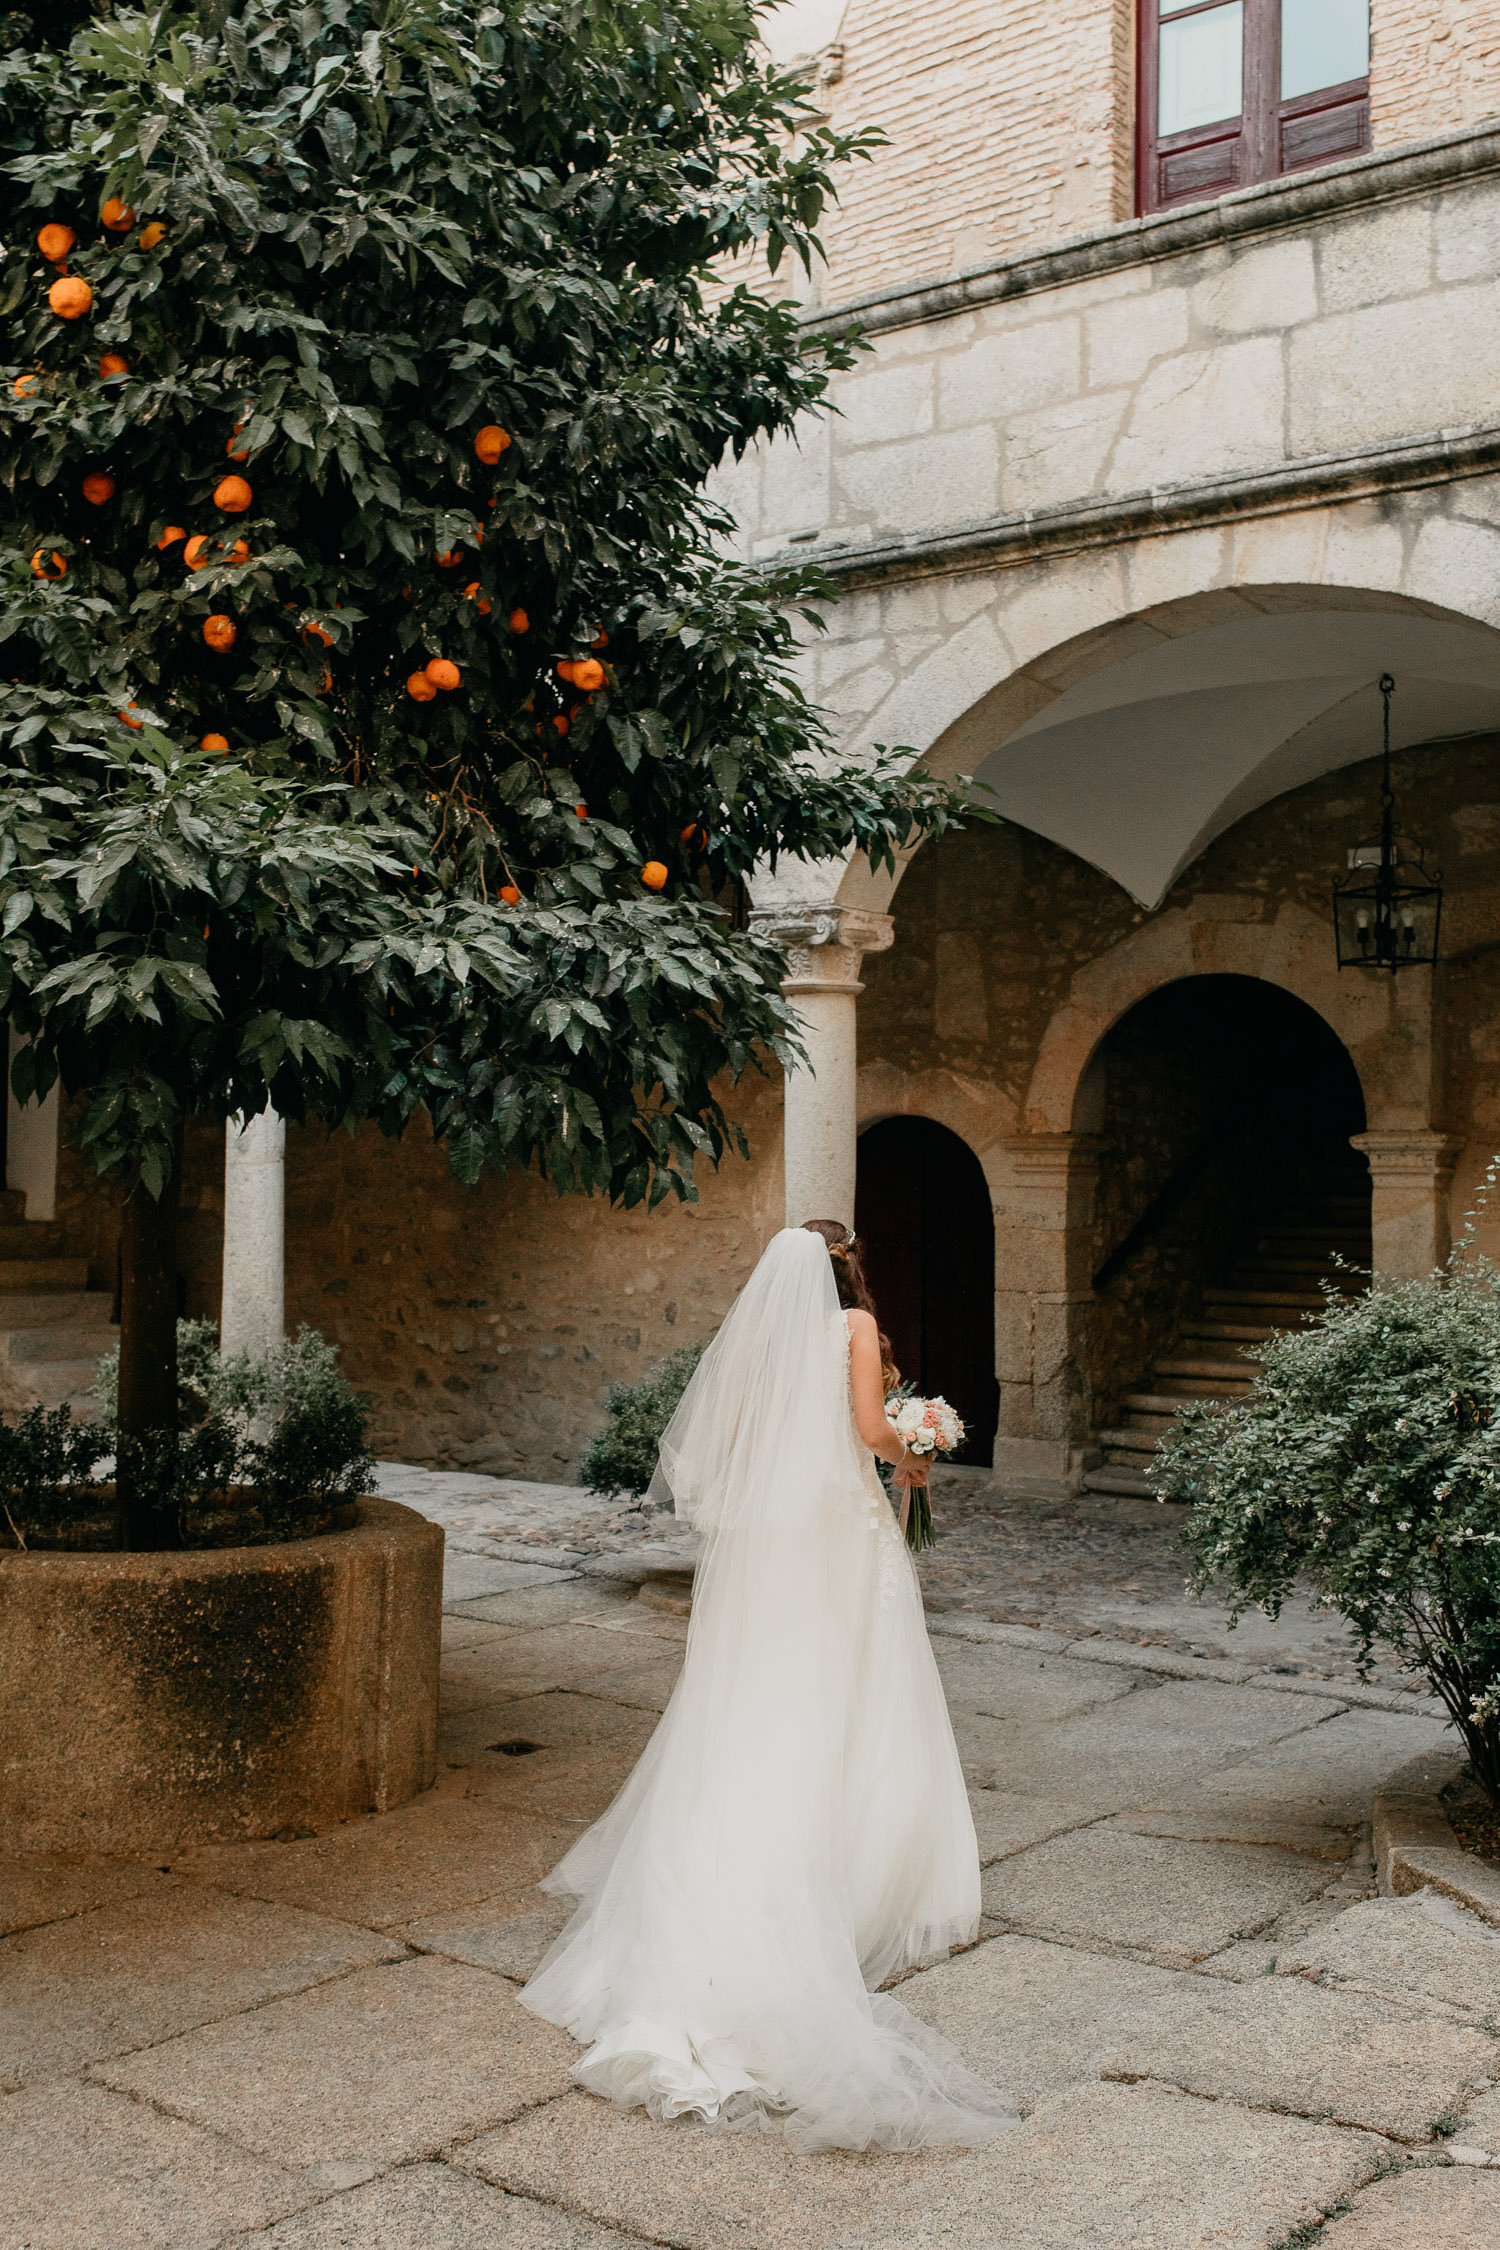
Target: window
point(1233, 91)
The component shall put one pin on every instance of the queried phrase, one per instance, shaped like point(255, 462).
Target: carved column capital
point(824, 945)
point(1418, 1155)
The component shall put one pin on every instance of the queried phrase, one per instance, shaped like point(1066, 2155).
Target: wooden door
point(927, 1234)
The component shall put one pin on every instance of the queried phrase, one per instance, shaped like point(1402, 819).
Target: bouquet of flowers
point(925, 1426)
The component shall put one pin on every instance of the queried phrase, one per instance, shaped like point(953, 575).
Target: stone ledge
point(1438, 457)
point(1270, 207)
point(1415, 1847)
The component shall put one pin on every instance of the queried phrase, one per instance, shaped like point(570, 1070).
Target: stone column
point(1410, 1175)
point(252, 1310)
point(1044, 1303)
point(826, 948)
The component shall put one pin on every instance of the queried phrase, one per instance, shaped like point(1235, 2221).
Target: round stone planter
point(148, 1702)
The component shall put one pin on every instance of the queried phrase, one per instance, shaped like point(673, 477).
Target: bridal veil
point(797, 1829)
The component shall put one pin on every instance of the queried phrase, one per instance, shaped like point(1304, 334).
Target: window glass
point(1202, 68)
point(1323, 43)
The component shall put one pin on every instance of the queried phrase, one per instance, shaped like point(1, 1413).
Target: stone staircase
point(53, 1327)
point(1269, 1287)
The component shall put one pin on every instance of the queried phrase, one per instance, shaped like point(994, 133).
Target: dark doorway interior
point(927, 1231)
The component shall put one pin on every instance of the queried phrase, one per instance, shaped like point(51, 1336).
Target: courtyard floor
point(1219, 2037)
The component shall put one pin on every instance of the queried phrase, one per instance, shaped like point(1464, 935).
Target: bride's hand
point(913, 1470)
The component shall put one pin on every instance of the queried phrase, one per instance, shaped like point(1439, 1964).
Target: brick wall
point(1010, 126)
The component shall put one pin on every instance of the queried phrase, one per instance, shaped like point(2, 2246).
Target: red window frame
point(1267, 140)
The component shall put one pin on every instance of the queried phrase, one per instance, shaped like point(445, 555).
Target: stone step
point(43, 1273)
point(1153, 1426)
point(1282, 1299)
point(1238, 1373)
point(1169, 1401)
point(49, 1382)
point(27, 1239)
point(1228, 1331)
point(1125, 1484)
point(1134, 1445)
point(33, 1308)
point(54, 1340)
point(1292, 1272)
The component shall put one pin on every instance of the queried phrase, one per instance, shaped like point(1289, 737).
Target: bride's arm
point(869, 1399)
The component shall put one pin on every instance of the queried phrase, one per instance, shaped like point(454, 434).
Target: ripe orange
point(565, 668)
point(695, 836)
point(491, 443)
point(476, 593)
point(582, 811)
point(560, 723)
point(313, 631)
point(152, 233)
point(214, 742)
point(420, 688)
point(236, 452)
point(113, 363)
point(654, 875)
point(131, 717)
point(233, 495)
point(98, 488)
point(519, 621)
point(25, 386)
point(510, 894)
point(44, 567)
point(588, 674)
point(55, 241)
point(450, 558)
point(195, 554)
point(220, 632)
point(70, 297)
point(117, 216)
point(171, 533)
point(443, 673)
point(600, 640)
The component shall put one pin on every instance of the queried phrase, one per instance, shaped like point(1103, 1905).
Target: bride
point(796, 1830)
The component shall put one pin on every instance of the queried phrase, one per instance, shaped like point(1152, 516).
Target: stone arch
point(967, 696)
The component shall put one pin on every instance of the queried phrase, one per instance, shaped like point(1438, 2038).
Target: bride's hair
point(854, 1291)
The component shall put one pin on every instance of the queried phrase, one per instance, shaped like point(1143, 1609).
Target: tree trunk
point(148, 1359)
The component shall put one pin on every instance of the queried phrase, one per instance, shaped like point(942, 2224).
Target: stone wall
point(1009, 126)
point(1322, 332)
point(487, 1323)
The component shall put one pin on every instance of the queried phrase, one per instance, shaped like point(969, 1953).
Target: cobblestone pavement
point(1218, 2037)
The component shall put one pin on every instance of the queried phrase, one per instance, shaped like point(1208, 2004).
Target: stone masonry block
point(1009, 370)
point(1202, 414)
point(1270, 286)
point(1125, 337)
point(923, 484)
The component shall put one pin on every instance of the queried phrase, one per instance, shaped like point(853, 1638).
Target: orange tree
point(387, 726)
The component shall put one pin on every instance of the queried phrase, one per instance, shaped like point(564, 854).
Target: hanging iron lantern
point(1387, 907)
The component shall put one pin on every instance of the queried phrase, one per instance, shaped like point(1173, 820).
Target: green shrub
point(268, 1449)
point(1367, 1457)
point(622, 1458)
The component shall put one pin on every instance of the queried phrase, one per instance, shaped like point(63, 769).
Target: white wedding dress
point(797, 1829)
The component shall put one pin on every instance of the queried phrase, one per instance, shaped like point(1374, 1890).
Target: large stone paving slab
point(1135, 1749)
point(1035, 2018)
point(1410, 1948)
point(1129, 2168)
point(686, 2184)
point(1004, 1823)
point(378, 2068)
point(1327, 1775)
point(1422, 2210)
point(468, 1578)
point(37, 1887)
point(85, 2169)
point(1177, 1901)
point(508, 1935)
point(435, 1853)
point(565, 1785)
point(1014, 1684)
point(554, 1719)
point(1282, 2043)
point(432, 2207)
point(139, 1970)
point(528, 1663)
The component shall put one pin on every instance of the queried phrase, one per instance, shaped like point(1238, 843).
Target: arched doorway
point(927, 1232)
point(1228, 1193)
